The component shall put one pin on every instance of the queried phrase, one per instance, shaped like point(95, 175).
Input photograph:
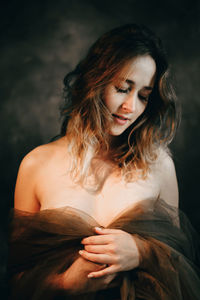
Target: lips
point(120, 117)
point(120, 120)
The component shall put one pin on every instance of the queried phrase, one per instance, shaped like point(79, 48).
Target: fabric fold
point(44, 261)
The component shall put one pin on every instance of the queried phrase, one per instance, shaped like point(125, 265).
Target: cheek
point(111, 101)
point(141, 109)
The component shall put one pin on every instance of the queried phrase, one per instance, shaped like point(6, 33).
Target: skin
point(38, 188)
point(129, 96)
point(114, 247)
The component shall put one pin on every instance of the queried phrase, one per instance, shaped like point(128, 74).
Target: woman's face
point(127, 98)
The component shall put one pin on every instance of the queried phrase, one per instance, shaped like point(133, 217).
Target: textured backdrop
point(42, 40)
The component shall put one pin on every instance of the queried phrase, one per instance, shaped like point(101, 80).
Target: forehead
point(139, 70)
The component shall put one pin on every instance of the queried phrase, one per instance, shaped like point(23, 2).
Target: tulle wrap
point(44, 249)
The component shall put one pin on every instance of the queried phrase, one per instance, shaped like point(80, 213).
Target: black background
point(43, 40)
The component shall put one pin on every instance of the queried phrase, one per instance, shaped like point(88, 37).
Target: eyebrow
point(149, 88)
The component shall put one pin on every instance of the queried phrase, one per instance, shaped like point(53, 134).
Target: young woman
point(106, 186)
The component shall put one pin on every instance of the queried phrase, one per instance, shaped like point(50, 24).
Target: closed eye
point(143, 98)
point(120, 90)
point(127, 90)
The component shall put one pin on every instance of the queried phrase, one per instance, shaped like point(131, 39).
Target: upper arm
point(168, 180)
point(25, 197)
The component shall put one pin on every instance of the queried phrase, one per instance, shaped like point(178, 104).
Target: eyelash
point(145, 99)
point(122, 90)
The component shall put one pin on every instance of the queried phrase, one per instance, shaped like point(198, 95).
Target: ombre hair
point(86, 119)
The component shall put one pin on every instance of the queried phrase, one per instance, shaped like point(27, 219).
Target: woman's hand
point(113, 247)
point(75, 280)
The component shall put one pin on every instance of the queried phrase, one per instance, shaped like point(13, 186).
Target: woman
point(98, 187)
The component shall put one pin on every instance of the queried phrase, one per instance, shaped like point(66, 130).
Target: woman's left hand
point(114, 247)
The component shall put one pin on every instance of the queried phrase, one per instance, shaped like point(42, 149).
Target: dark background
point(43, 40)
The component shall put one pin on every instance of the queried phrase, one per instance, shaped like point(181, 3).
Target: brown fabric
point(44, 262)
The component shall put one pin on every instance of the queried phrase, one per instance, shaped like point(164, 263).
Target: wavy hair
point(86, 119)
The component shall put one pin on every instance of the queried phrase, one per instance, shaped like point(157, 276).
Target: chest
point(115, 196)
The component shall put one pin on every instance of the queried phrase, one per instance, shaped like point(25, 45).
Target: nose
point(130, 103)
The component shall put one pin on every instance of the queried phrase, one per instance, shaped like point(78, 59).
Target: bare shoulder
point(35, 162)
point(41, 155)
point(35, 159)
point(165, 160)
point(167, 177)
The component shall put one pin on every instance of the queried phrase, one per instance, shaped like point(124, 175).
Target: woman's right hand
point(75, 279)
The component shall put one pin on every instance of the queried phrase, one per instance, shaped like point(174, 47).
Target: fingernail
point(90, 275)
point(80, 252)
point(98, 228)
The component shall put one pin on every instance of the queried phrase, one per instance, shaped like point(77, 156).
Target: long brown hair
point(86, 119)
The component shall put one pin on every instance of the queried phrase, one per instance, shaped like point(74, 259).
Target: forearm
point(151, 251)
point(74, 280)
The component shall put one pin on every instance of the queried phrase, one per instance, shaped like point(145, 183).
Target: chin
point(116, 132)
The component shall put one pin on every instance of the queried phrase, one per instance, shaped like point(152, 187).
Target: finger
point(96, 240)
point(106, 230)
point(107, 271)
point(95, 248)
point(96, 258)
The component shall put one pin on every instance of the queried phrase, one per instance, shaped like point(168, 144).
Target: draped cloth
point(44, 249)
